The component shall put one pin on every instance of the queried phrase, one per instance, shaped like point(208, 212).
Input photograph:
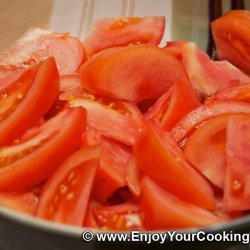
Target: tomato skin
point(113, 32)
point(187, 125)
point(111, 173)
point(237, 177)
point(156, 148)
point(206, 76)
point(45, 151)
point(122, 73)
point(37, 45)
point(231, 36)
point(65, 196)
point(34, 105)
point(161, 210)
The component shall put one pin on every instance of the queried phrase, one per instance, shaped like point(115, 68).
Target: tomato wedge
point(117, 120)
point(161, 210)
point(37, 45)
point(231, 36)
point(206, 76)
point(65, 196)
point(237, 177)
point(189, 123)
point(112, 32)
point(156, 148)
point(123, 73)
point(23, 108)
point(27, 163)
point(111, 173)
point(205, 149)
point(24, 202)
point(174, 104)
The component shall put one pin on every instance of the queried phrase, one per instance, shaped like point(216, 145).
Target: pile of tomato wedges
point(116, 132)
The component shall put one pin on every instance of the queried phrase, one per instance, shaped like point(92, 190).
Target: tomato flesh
point(111, 73)
point(28, 163)
point(66, 195)
point(156, 148)
point(29, 110)
point(161, 210)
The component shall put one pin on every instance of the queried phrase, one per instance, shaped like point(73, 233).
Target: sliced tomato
point(241, 93)
point(193, 119)
point(205, 149)
point(133, 178)
point(123, 73)
point(66, 195)
point(27, 163)
point(231, 36)
point(162, 210)
point(25, 105)
point(111, 173)
point(237, 177)
point(206, 76)
point(37, 45)
point(123, 216)
point(174, 104)
point(91, 137)
point(24, 202)
point(117, 120)
point(110, 32)
point(156, 148)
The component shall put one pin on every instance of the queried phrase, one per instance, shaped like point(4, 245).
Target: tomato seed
point(70, 196)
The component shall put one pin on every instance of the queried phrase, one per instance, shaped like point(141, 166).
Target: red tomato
point(193, 119)
point(159, 157)
point(206, 75)
point(27, 163)
point(24, 202)
point(161, 210)
point(237, 177)
point(118, 217)
point(205, 149)
point(111, 32)
point(117, 120)
point(91, 137)
point(241, 93)
point(174, 104)
point(133, 178)
point(37, 45)
point(70, 85)
point(123, 73)
point(66, 195)
point(111, 173)
point(231, 36)
point(24, 104)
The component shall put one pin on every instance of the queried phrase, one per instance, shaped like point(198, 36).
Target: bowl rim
point(76, 232)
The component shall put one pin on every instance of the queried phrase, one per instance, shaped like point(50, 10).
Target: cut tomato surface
point(37, 45)
point(112, 32)
point(27, 163)
point(205, 75)
point(231, 36)
point(162, 210)
point(237, 177)
point(66, 195)
point(117, 120)
point(207, 111)
point(111, 173)
point(174, 104)
point(205, 149)
point(123, 73)
point(156, 148)
point(24, 202)
point(23, 106)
